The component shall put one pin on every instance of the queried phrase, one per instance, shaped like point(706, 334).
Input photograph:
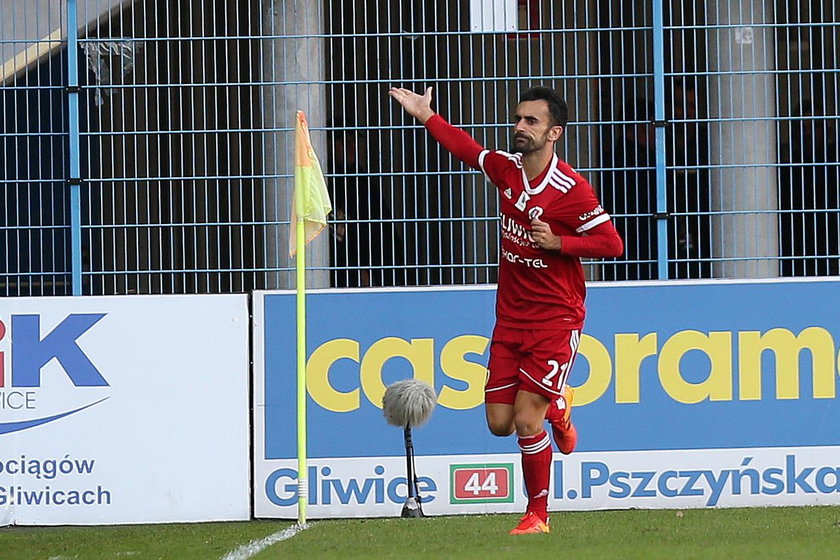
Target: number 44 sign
point(481, 483)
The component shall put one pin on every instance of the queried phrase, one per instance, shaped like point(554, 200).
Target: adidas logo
point(509, 193)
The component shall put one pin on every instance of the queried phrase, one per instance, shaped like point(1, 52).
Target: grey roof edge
point(49, 44)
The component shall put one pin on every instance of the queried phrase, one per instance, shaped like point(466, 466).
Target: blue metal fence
point(147, 145)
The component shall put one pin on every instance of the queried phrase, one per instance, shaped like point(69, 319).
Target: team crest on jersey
point(521, 204)
point(535, 212)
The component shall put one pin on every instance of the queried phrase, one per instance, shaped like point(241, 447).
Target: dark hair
point(556, 107)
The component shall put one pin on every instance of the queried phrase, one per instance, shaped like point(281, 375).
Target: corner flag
point(311, 202)
point(310, 207)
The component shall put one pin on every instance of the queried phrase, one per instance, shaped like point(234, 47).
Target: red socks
point(536, 469)
point(556, 410)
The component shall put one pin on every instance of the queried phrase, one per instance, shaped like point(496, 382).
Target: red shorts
point(538, 361)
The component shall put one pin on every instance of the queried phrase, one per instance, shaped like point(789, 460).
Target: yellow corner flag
point(311, 200)
point(310, 207)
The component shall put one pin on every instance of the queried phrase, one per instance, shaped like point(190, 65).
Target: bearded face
point(533, 127)
point(527, 142)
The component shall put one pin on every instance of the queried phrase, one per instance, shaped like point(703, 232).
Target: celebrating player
point(550, 217)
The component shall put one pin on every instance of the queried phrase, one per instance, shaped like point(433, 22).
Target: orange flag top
point(311, 203)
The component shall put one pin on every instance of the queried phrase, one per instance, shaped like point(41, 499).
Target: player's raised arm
point(416, 105)
point(453, 139)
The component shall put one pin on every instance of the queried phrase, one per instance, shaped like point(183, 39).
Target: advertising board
point(129, 409)
point(688, 395)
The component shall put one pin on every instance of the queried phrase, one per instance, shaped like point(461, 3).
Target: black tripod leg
point(412, 503)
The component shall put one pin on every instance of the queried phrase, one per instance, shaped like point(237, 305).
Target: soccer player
point(550, 217)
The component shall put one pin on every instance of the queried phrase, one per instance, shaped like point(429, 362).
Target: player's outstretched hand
point(545, 238)
point(418, 106)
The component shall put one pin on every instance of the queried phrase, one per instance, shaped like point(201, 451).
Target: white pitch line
point(255, 547)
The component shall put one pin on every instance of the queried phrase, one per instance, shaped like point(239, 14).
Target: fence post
point(294, 69)
point(74, 179)
point(743, 155)
point(659, 123)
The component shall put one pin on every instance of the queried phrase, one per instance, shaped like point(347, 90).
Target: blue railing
point(146, 151)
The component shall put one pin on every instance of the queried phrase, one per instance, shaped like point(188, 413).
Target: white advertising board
point(464, 484)
point(125, 409)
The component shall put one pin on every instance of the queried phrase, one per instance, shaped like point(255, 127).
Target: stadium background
point(147, 151)
point(166, 170)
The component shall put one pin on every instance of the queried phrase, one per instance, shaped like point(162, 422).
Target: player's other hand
point(418, 106)
point(544, 237)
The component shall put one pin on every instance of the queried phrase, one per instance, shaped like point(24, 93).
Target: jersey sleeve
point(503, 168)
point(497, 166)
point(602, 241)
point(595, 235)
point(455, 141)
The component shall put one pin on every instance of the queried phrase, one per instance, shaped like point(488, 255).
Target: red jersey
point(538, 288)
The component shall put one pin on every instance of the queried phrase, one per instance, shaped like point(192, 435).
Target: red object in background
point(477, 483)
point(529, 15)
point(2, 357)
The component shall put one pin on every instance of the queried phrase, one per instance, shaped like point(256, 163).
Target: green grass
point(754, 534)
point(132, 542)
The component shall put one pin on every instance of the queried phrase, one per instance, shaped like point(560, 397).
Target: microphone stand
point(412, 506)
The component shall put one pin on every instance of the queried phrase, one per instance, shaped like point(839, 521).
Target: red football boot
point(530, 524)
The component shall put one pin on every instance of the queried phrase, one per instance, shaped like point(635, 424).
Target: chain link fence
point(147, 145)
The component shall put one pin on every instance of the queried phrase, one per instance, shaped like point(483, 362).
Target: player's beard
point(525, 145)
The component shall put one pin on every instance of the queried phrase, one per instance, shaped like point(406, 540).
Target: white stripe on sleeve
point(597, 220)
point(481, 157)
